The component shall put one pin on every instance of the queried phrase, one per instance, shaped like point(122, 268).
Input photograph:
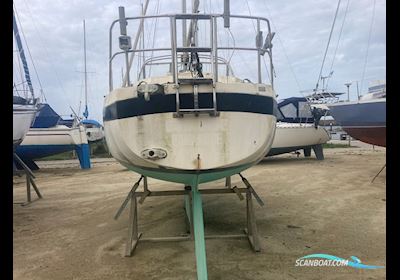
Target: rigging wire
point(248, 7)
point(139, 57)
point(80, 96)
point(266, 68)
point(19, 69)
point(234, 45)
point(47, 55)
point(255, 31)
point(207, 9)
point(327, 46)
point(337, 44)
point(154, 33)
point(239, 55)
point(314, 113)
point(155, 22)
point(141, 42)
point(369, 40)
point(29, 51)
point(286, 56)
point(15, 89)
point(226, 52)
point(204, 33)
point(144, 40)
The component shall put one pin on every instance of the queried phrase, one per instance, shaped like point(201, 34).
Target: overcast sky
point(54, 33)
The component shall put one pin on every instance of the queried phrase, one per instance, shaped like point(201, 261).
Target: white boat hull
point(195, 143)
point(94, 134)
point(202, 148)
point(291, 136)
point(43, 142)
point(58, 135)
point(23, 116)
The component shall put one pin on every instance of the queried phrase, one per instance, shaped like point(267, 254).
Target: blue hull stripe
point(160, 103)
point(39, 151)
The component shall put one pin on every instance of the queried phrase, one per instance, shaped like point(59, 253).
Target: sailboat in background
point(50, 135)
point(297, 129)
point(364, 119)
point(94, 130)
point(24, 108)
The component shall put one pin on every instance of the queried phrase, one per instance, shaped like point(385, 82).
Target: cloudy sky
point(54, 33)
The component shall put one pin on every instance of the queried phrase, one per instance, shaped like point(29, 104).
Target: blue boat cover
point(69, 122)
point(45, 117)
point(93, 122)
point(295, 110)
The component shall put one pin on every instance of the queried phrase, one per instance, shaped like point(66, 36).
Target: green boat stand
point(29, 181)
point(193, 218)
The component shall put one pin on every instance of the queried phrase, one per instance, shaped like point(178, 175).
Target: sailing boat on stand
point(189, 126)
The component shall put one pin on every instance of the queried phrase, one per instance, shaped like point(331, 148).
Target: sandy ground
point(312, 206)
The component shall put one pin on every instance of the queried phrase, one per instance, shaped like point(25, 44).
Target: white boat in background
point(49, 136)
point(23, 116)
point(190, 126)
point(290, 137)
point(42, 142)
point(297, 129)
point(94, 130)
point(58, 137)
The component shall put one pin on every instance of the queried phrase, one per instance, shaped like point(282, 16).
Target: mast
point(192, 34)
point(22, 55)
point(86, 112)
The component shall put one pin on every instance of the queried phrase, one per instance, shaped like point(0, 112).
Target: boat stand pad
point(193, 218)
